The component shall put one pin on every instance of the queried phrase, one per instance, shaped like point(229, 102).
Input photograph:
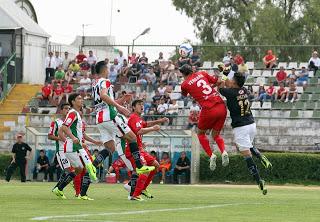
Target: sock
point(62, 176)
point(103, 154)
point(85, 184)
point(68, 178)
point(252, 167)
point(256, 152)
point(140, 185)
point(135, 153)
point(133, 182)
point(117, 171)
point(77, 182)
point(149, 179)
point(203, 139)
point(220, 142)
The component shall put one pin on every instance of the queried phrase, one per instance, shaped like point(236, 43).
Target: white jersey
point(54, 128)
point(104, 112)
point(74, 122)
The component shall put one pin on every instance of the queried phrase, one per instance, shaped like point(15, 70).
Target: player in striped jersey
point(109, 123)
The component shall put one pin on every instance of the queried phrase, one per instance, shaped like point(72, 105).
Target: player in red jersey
point(213, 110)
point(139, 127)
point(116, 166)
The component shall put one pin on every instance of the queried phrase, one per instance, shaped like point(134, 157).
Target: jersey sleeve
point(134, 124)
point(105, 84)
point(71, 117)
point(52, 129)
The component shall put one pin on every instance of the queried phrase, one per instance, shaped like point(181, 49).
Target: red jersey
point(80, 58)
point(136, 123)
point(281, 91)
point(68, 89)
point(270, 90)
point(46, 90)
point(281, 76)
point(58, 90)
point(198, 85)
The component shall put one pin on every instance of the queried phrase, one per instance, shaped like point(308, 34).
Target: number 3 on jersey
point(206, 88)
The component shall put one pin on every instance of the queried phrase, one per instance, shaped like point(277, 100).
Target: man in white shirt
point(120, 58)
point(85, 84)
point(162, 107)
point(92, 60)
point(66, 61)
point(117, 65)
point(173, 111)
point(58, 59)
point(314, 62)
point(51, 66)
point(226, 59)
point(194, 107)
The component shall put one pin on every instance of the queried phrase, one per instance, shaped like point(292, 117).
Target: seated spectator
point(281, 76)
point(270, 60)
point(162, 107)
point(116, 167)
point(173, 79)
point(194, 106)
point(46, 92)
point(162, 89)
point(85, 66)
point(292, 93)
point(80, 57)
point(183, 166)
point(124, 68)
point(157, 69)
point(57, 93)
point(195, 59)
point(303, 77)
point(42, 166)
point(165, 164)
point(157, 96)
point(59, 74)
point(226, 59)
point(69, 76)
point(113, 74)
point(134, 72)
point(166, 97)
point(143, 60)
point(281, 93)
point(152, 79)
point(292, 77)
point(106, 61)
point(134, 58)
point(85, 84)
point(67, 89)
point(261, 92)
point(143, 80)
point(314, 62)
point(74, 67)
point(168, 69)
point(173, 111)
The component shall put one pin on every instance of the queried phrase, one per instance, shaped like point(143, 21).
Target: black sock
point(103, 154)
point(256, 152)
point(133, 181)
point(135, 153)
point(68, 178)
point(253, 169)
point(85, 184)
point(62, 176)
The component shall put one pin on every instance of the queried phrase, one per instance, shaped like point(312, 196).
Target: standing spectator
point(85, 84)
point(162, 107)
point(59, 74)
point(314, 62)
point(19, 158)
point(50, 66)
point(281, 93)
point(165, 165)
point(269, 60)
point(183, 166)
point(124, 69)
point(303, 77)
point(173, 111)
point(58, 59)
point(92, 60)
point(121, 58)
point(74, 67)
point(281, 76)
point(160, 58)
point(292, 77)
point(226, 59)
point(66, 61)
point(80, 57)
point(195, 59)
point(292, 93)
point(85, 66)
point(42, 166)
point(67, 89)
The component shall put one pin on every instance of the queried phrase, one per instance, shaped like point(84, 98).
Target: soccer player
point(213, 110)
point(109, 123)
point(75, 155)
point(116, 166)
point(244, 127)
point(140, 127)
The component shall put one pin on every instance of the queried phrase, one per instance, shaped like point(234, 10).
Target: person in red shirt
point(140, 127)
point(57, 93)
point(268, 94)
point(213, 110)
point(80, 57)
point(193, 119)
point(46, 91)
point(281, 93)
point(117, 166)
point(67, 89)
point(281, 75)
point(269, 60)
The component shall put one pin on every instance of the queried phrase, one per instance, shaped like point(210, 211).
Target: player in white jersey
point(109, 123)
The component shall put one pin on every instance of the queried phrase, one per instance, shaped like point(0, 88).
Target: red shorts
point(119, 164)
point(145, 157)
point(213, 118)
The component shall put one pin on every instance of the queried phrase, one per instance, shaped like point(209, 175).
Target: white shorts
point(244, 136)
point(75, 160)
point(110, 129)
point(63, 161)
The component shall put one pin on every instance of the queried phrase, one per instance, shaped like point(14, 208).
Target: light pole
point(146, 31)
point(83, 25)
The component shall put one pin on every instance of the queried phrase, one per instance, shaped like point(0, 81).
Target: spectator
point(57, 93)
point(80, 57)
point(261, 92)
point(281, 76)
point(113, 74)
point(314, 62)
point(160, 59)
point(134, 72)
point(143, 80)
point(154, 154)
point(117, 65)
point(85, 84)
point(121, 58)
point(162, 107)
point(281, 93)
point(156, 97)
point(46, 92)
point(157, 69)
point(292, 77)
point(195, 59)
point(226, 59)
point(243, 68)
point(166, 97)
point(133, 59)
point(85, 66)
point(106, 61)
point(173, 111)
point(292, 93)
point(183, 166)
point(66, 61)
point(51, 66)
point(69, 75)
point(165, 165)
point(124, 68)
point(152, 78)
point(269, 60)
point(303, 78)
point(233, 65)
point(58, 59)
point(173, 79)
point(74, 67)
point(268, 94)
point(143, 60)
point(194, 106)
point(92, 60)
point(67, 89)
point(19, 158)
point(42, 166)
point(162, 89)
point(59, 74)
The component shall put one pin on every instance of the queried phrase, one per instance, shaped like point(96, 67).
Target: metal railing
point(5, 84)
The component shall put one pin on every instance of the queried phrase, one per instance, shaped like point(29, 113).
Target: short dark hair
point(42, 151)
point(72, 97)
point(98, 67)
point(64, 105)
point(96, 150)
point(135, 102)
point(186, 69)
point(239, 79)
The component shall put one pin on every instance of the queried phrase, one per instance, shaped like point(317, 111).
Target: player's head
point(101, 69)
point(75, 100)
point(153, 153)
point(137, 106)
point(238, 80)
point(64, 109)
point(185, 69)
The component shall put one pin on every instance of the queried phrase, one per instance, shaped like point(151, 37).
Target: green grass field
point(31, 201)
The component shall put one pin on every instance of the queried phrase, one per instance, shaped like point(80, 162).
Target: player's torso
point(77, 126)
point(59, 144)
point(139, 124)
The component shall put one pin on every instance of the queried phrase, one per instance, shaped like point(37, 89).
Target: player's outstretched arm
point(158, 121)
point(91, 140)
point(146, 130)
point(105, 98)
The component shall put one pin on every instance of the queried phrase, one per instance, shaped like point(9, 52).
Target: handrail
point(4, 70)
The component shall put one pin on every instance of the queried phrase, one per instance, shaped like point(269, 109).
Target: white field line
point(138, 211)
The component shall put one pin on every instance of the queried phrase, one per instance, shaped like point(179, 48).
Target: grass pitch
point(35, 202)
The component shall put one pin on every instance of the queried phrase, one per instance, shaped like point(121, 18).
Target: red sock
point(140, 185)
point(203, 139)
point(220, 142)
point(149, 179)
point(77, 182)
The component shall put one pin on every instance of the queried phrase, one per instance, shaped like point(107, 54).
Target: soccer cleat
point(147, 194)
point(92, 172)
point(59, 193)
point(161, 182)
point(213, 160)
point(225, 159)
point(262, 187)
point(138, 198)
point(265, 162)
point(127, 187)
point(84, 198)
point(144, 169)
